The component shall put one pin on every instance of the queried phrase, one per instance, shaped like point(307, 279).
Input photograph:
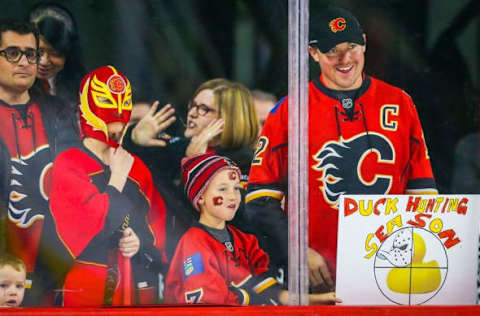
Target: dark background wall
point(167, 48)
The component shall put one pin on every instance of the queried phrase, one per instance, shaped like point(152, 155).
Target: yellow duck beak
point(418, 277)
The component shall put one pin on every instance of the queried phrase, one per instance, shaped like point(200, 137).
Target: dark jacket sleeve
point(163, 162)
point(270, 224)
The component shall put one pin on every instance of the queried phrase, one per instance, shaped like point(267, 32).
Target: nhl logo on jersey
point(229, 246)
point(347, 103)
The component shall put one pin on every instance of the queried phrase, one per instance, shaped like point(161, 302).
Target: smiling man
point(33, 132)
point(365, 138)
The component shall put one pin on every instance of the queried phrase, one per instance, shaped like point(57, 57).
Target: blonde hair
point(12, 261)
point(235, 106)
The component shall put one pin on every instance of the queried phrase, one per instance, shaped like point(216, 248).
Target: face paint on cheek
point(232, 175)
point(218, 200)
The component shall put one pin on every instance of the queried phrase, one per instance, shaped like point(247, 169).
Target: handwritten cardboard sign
point(408, 249)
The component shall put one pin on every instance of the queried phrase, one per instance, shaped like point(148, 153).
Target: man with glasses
point(33, 132)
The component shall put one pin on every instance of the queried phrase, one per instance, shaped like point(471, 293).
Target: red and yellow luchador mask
point(105, 97)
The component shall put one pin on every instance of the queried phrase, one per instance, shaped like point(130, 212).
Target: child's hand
point(323, 299)
point(129, 244)
point(313, 299)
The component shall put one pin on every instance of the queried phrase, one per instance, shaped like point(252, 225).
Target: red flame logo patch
point(337, 25)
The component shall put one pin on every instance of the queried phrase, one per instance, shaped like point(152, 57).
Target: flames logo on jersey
point(341, 165)
point(28, 199)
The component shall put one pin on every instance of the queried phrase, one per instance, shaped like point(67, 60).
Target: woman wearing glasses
point(221, 119)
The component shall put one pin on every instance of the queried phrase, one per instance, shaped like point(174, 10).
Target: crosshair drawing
point(411, 266)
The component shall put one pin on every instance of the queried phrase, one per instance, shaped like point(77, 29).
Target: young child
point(12, 281)
point(214, 262)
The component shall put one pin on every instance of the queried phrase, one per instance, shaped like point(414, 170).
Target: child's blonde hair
point(12, 261)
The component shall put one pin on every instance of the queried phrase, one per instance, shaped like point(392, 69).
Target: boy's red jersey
point(204, 270)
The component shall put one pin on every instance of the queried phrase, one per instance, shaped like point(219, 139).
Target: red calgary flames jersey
point(30, 176)
point(203, 270)
point(81, 202)
point(378, 149)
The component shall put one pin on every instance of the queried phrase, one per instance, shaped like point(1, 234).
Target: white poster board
point(408, 249)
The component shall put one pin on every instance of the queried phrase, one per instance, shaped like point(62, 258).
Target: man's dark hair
point(19, 27)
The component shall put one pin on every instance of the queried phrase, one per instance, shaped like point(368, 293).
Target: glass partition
point(170, 52)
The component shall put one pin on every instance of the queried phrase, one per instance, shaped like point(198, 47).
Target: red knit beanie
point(199, 170)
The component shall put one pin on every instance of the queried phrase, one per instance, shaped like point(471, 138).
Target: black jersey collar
point(334, 93)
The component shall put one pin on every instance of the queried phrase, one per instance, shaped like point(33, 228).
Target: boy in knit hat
point(214, 262)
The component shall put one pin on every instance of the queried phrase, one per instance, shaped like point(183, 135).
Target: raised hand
point(200, 142)
point(147, 129)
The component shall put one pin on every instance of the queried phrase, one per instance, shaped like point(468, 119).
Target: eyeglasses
point(14, 54)
point(202, 109)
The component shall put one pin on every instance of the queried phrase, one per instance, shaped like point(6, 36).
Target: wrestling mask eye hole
point(104, 100)
point(127, 102)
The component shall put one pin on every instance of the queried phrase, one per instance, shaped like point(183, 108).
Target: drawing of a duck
point(410, 274)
